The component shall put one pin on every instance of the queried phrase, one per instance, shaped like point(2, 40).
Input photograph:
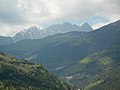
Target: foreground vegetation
point(23, 75)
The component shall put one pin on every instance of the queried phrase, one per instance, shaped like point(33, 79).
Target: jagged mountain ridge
point(35, 33)
point(31, 33)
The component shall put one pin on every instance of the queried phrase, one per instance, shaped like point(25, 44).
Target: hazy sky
point(16, 15)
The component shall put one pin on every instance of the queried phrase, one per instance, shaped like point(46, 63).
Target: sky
point(16, 15)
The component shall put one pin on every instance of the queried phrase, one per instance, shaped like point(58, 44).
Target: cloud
point(99, 23)
point(8, 30)
point(9, 12)
point(24, 13)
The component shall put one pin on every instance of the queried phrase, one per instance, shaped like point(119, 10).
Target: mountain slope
point(98, 71)
point(24, 75)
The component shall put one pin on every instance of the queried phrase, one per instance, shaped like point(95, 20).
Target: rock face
point(31, 33)
point(36, 33)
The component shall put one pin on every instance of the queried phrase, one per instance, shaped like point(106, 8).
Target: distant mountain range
point(36, 33)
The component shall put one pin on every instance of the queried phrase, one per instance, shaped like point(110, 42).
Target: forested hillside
point(99, 71)
point(23, 75)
